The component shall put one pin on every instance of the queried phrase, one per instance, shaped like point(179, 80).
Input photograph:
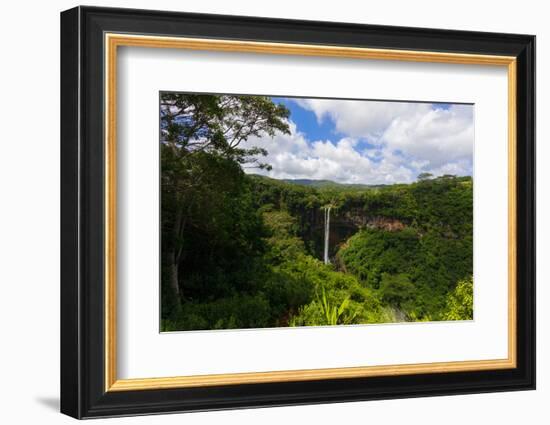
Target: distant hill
point(325, 184)
point(321, 184)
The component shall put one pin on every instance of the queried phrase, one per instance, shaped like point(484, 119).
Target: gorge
point(380, 254)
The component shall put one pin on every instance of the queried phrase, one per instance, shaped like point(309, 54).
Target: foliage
point(460, 302)
point(211, 234)
point(414, 269)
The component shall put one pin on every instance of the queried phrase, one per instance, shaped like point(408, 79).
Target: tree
point(219, 124)
point(396, 289)
point(460, 302)
point(424, 176)
point(202, 156)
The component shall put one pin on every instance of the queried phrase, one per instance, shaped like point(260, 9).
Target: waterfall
point(327, 232)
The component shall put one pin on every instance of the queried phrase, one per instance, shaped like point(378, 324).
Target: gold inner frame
point(113, 41)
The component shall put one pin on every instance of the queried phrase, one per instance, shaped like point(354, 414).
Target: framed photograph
point(261, 212)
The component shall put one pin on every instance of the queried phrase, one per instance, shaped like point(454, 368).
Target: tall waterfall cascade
point(327, 233)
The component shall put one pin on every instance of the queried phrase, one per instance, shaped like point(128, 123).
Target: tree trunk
point(171, 301)
point(171, 257)
point(173, 275)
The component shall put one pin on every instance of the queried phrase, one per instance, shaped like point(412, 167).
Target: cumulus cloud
point(294, 157)
point(377, 142)
point(358, 118)
point(435, 135)
point(417, 129)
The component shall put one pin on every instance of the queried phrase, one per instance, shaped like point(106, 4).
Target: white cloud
point(292, 157)
point(358, 118)
point(459, 168)
point(434, 135)
point(416, 129)
point(404, 139)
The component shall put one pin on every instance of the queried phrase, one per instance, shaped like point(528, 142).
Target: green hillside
point(256, 260)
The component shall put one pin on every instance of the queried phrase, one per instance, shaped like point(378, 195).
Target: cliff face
point(359, 219)
point(343, 225)
point(387, 224)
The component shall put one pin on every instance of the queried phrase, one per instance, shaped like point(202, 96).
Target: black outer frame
point(82, 206)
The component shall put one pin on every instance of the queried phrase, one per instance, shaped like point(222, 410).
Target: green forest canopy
point(244, 251)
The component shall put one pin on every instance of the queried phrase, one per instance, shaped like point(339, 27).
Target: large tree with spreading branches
point(203, 153)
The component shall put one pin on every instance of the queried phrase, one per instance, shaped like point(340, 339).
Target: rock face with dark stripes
point(332, 227)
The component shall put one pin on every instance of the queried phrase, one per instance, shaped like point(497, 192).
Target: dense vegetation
point(241, 251)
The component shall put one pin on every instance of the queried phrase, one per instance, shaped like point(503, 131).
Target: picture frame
point(90, 40)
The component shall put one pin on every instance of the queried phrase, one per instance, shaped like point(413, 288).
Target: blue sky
point(307, 122)
point(370, 142)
